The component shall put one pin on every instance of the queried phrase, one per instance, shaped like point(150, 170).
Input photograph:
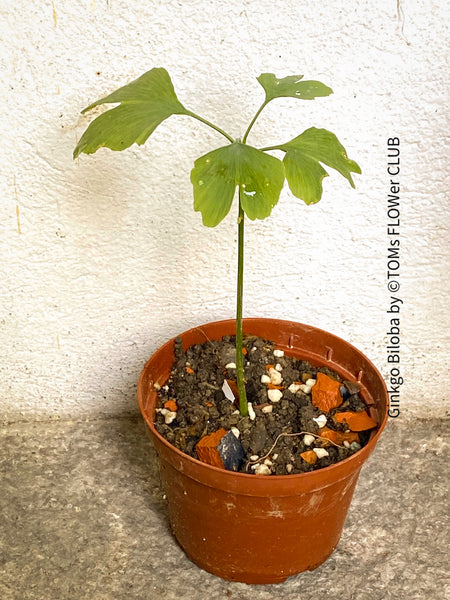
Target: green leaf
point(292, 87)
point(216, 175)
point(143, 105)
point(304, 176)
point(304, 154)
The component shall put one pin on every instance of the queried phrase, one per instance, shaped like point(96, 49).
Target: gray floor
point(83, 517)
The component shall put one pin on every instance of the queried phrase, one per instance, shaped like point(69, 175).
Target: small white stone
point(166, 388)
point(265, 378)
point(236, 432)
point(320, 452)
point(355, 446)
point(305, 388)
point(157, 386)
point(294, 387)
point(254, 457)
point(274, 456)
point(228, 392)
point(278, 353)
point(169, 417)
point(251, 412)
point(289, 468)
point(268, 462)
point(346, 444)
point(262, 470)
point(275, 376)
point(230, 366)
point(278, 367)
point(274, 395)
point(267, 409)
point(311, 382)
point(308, 439)
point(321, 420)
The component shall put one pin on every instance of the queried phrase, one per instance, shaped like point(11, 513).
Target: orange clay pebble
point(272, 386)
point(309, 456)
point(338, 437)
point(325, 393)
point(356, 421)
point(189, 370)
point(268, 367)
point(171, 405)
point(207, 448)
point(328, 434)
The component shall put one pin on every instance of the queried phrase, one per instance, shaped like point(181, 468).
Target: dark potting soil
point(271, 438)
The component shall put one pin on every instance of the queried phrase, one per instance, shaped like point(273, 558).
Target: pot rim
point(196, 466)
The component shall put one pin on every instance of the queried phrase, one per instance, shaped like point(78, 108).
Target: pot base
point(255, 578)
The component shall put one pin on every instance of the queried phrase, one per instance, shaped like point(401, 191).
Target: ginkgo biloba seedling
point(147, 101)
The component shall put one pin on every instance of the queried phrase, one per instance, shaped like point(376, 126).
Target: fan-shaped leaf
point(143, 105)
point(304, 154)
point(216, 175)
point(292, 86)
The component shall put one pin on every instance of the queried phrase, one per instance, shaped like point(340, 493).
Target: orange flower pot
point(255, 528)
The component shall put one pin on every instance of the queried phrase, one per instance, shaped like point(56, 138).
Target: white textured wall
point(104, 258)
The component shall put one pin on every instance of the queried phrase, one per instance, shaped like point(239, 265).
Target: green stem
point(206, 122)
point(267, 148)
point(258, 112)
point(243, 406)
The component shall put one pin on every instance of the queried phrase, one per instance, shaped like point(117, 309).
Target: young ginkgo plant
point(258, 176)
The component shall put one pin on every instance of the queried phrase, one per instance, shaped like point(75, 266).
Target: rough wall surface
point(103, 258)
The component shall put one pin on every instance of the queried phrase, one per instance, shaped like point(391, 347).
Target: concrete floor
point(83, 518)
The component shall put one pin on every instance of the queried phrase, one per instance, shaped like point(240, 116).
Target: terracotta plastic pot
point(256, 528)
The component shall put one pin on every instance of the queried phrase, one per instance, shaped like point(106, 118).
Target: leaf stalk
point(206, 122)
point(252, 122)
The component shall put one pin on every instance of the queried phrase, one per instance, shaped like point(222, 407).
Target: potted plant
point(248, 526)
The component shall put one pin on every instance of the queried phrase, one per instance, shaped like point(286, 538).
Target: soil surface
point(283, 430)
